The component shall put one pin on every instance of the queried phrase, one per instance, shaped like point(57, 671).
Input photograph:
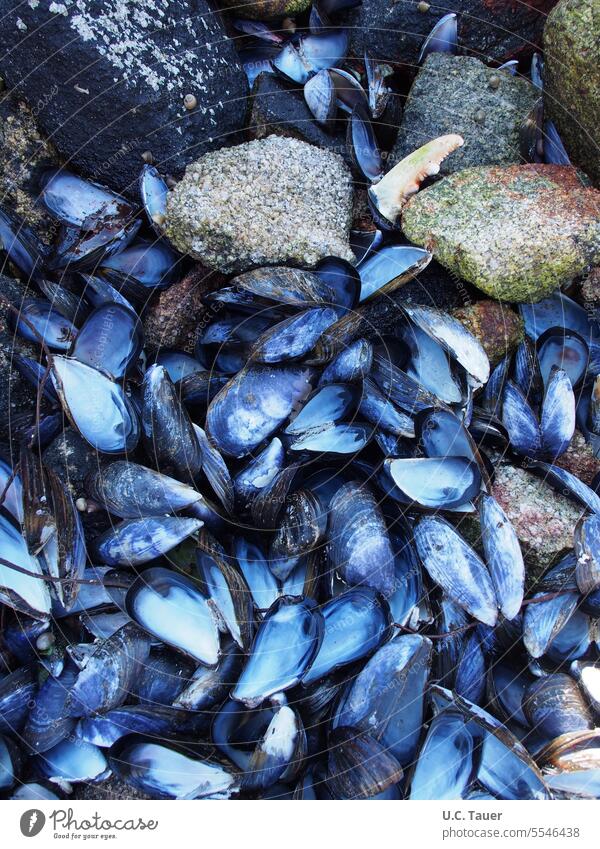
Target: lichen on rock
point(517, 233)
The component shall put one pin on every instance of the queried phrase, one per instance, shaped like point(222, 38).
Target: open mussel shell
point(564, 349)
point(435, 482)
point(107, 679)
point(223, 581)
point(25, 593)
point(262, 583)
point(390, 267)
point(153, 264)
point(341, 279)
point(387, 697)
point(430, 365)
point(72, 761)
point(172, 608)
point(555, 705)
point(356, 623)
point(362, 143)
point(293, 337)
point(85, 249)
point(349, 92)
point(110, 340)
point(359, 544)
point(49, 325)
point(587, 674)
point(79, 202)
point(359, 767)
point(131, 491)
point(22, 246)
point(168, 431)
point(453, 564)
point(254, 404)
point(443, 38)
point(455, 339)
point(555, 311)
point(587, 548)
point(285, 645)
point(505, 767)
point(327, 405)
point(137, 541)
point(96, 406)
point(503, 555)
point(153, 192)
point(442, 434)
point(167, 773)
point(268, 744)
point(448, 760)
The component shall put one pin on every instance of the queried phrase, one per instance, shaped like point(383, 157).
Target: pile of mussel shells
point(281, 602)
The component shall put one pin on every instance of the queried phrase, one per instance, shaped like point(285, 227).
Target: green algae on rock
point(459, 94)
point(264, 202)
point(572, 79)
point(517, 233)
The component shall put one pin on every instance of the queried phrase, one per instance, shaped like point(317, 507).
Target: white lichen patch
point(136, 37)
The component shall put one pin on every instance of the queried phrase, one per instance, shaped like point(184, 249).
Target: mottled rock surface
point(572, 79)
point(280, 109)
point(171, 321)
point(497, 327)
point(579, 459)
point(265, 202)
point(517, 233)
point(459, 94)
point(494, 29)
point(24, 156)
point(108, 79)
point(543, 519)
point(264, 10)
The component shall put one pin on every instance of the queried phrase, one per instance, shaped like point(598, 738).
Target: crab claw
point(389, 195)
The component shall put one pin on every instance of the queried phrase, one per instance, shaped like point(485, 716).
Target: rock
point(490, 29)
point(24, 156)
point(572, 79)
point(453, 94)
point(497, 327)
point(264, 10)
point(171, 321)
point(543, 519)
point(517, 233)
point(590, 290)
point(579, 459)
point(280, 109)
point(107, 80)
point(267, 201)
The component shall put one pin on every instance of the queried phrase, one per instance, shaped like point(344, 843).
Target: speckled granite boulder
point(265, 202)
point(517, 233)
point(498, 328)
point(108, 80)
point(543, 519)
point(459, 94)
point(572, 79)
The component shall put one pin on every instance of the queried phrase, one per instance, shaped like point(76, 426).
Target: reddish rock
point(590, 289)
point(495, 325)
point(172, 319)
point(579, 459)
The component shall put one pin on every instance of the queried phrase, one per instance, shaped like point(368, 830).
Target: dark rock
point(108, 80)
point(572, 79)
point(489, 29)
point(24, 156)
point(453, 94)
point(72, 458)
point(264, 10)
point(279, 109)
